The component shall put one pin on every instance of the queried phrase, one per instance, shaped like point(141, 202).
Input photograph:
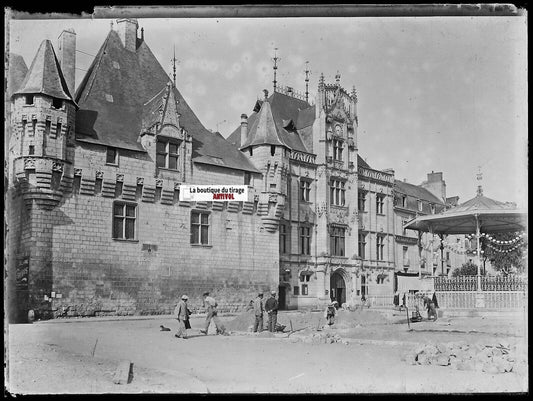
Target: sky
point(443, 94)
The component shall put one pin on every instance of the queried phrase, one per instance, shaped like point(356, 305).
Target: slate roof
point(416, 192)
point(17, 71)
point(264, 130)
point(112, 98)
point(361, 162)
point(290, 119)
point(44, 75)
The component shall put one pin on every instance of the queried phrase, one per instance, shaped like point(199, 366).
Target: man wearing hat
point(182, 314)
point(258, 311)
point(212, 313)
point(271, 307)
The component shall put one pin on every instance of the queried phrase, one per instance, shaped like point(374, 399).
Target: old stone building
point(308, 153)
point(94, 223)
point(376, 238)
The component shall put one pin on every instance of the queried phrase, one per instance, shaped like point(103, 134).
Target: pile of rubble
point(319, 338)
point(497, 357)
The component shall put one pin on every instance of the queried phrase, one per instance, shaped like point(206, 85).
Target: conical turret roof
point(264, 130)
point(45, 76)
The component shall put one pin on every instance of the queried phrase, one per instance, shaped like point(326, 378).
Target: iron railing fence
point(488, 283)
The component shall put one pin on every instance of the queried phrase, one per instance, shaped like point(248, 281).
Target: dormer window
point(29, 99)
point(111, 156)
point(57, 103)
point(167, 154)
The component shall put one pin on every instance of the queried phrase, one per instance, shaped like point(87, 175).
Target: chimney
point(67, 57)
point(244, 128)
point(127, 31)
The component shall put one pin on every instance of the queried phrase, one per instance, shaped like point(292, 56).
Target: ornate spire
point(338, 78)
point(307, 81)
point(479, 177)
point(174, 66)
point(321, 82)
point(275, 59)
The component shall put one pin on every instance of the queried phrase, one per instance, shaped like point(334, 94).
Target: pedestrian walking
point(259, 309)
point(330, 312)
point(271, 307)
point(430, 306)
point(396, 300)
point(182, 313)
point(212, 314)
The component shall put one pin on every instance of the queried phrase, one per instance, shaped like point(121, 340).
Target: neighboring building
point(95, 224)
point(421, 253)
point(376, 236)
point(308, 154)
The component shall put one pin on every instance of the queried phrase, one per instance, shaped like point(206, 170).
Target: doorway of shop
point(337, 288)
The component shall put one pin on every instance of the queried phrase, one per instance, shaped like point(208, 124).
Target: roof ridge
point(96, 63)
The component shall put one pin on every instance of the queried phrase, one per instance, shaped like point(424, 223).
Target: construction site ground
point(81, 355)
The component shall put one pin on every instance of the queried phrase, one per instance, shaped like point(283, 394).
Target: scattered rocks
point(493, 358)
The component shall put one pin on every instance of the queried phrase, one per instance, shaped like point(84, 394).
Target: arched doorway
point(337, 287)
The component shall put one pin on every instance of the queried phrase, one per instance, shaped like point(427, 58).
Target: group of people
point(182, 313)
point(430, 303)
point(270, 306)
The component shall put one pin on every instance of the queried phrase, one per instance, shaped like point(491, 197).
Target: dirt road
point(80, 356)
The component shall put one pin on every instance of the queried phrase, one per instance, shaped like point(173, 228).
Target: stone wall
point(97, 275)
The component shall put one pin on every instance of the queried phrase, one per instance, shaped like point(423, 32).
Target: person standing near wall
point(212, 313)
point(258, 312)
point(182, 314)
point(271, 307)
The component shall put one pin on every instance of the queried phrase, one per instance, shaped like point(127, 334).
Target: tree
point(510, 262)
point(467, 269)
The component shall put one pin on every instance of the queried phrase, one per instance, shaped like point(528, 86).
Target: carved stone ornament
point(321, 209)
point(256, 198)
point(272, 197)
point(77, 172)
point(29, 163)
point(57, 166)
point(176, 186)
point(120, 177)
point(99, 175)
point(320, 170)
point(159, 183)
point(140, 181)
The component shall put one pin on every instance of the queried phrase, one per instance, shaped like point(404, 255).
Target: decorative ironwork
point(490, 283)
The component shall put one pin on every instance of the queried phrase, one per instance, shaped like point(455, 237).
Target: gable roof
point(416, 192)
point(286, 121)
point(16, 73)
point(45, 76)
point(113, 98)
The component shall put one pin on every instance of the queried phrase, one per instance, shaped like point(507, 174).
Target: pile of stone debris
point(318, 337)
point(495, 357)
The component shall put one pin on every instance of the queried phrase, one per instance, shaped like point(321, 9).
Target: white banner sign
point(208, 193)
